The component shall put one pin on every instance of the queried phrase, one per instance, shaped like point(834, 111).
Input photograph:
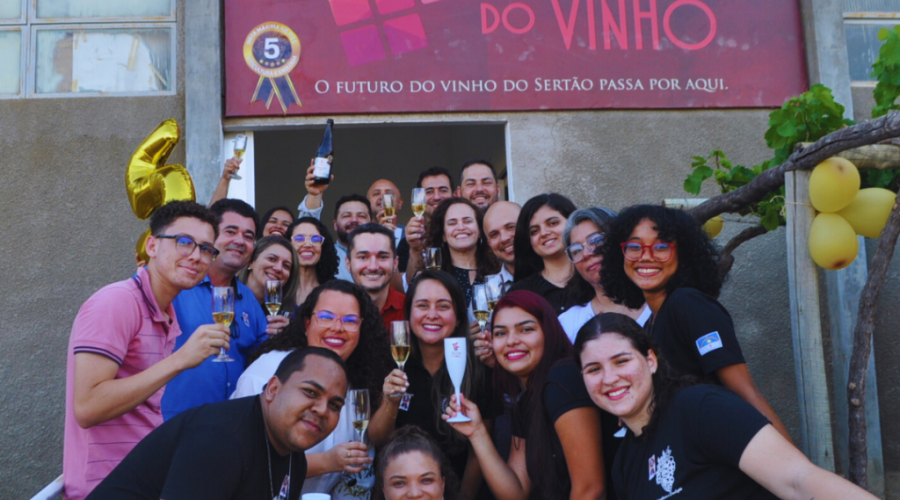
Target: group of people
point(608, 353)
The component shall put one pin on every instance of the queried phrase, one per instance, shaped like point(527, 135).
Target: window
point(86, 47)
point(862, 21)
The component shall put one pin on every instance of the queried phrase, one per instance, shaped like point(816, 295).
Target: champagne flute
point(359, 411)
point(400, 342)
point(480, 305)
point(455, 357)
point(223, 313)
point(493, 285)
point(387, 204)
point(273, 296)
point(240, 147)
point(433, 258)
point(418, 202)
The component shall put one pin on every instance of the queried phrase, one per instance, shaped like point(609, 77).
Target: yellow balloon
point(151, 183)
point(832, 242)
point(833, 184)
point(714, 226)
point(869, 211)
point(140, 249)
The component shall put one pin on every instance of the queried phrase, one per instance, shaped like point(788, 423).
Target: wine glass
point(418, 202)
point(240, 147)
point(400, 342)
point(387, 204)
point(493, 285)
point(480, 305)
point(433, 258)
point(455, 357)
point(223, 313)
point(359, 411)
point(273, 296)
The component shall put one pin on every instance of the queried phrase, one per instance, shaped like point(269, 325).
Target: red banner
point(391, 56)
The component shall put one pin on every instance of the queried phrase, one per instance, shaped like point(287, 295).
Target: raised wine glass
point(418, 202)
point(433, 258)
point(455, 357)
point(223, 313)
point(493, 285)
point(400, 342)
point(273, 296)
point(240, 147)
point(359, 411)
point(388, 205)
point(480, 305)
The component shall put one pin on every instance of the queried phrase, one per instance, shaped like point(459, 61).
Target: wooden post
point(806, 326)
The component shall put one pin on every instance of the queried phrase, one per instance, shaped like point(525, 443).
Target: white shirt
point(505, 275)
point(576, 316)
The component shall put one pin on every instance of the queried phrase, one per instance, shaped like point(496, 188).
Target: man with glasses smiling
point(212, 382)
point(120, 350)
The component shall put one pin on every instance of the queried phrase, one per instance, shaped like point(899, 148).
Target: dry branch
point(862, 341)
point(726, 260)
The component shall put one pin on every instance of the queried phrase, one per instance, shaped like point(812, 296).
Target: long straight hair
point(485, 261)
point(289, 288)
point(527, 261)
point(548, 480)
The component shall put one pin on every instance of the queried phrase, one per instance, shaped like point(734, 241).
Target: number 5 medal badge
point(272, 51)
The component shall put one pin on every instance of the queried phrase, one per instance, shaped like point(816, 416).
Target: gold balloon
point(151, 183)
point(832, 242)
point(140, 250)
point(869, 211)
point(714, 226)
point(833, 184)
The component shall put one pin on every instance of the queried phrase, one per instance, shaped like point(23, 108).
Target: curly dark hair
point(665, 381)
point(408, 439)
point(328, 260)
point(527, 261)
point(698, 257)
point(485, 261)
point(369, 363)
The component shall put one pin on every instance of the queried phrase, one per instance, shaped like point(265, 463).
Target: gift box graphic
point(363, 44)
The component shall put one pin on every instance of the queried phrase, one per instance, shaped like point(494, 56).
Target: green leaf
point(770, 220)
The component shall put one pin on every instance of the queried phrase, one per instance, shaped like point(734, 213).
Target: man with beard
point(212, 381)
point(350, 212)
point(244, 448)
point(478, 183)
point(371, 260)
point(500, 231)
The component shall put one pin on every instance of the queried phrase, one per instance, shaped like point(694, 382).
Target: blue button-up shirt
point(211, 382)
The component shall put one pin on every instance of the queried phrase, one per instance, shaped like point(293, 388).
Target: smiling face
point(278, 223)
point(432, 317)
point(377, 191)
point(590, 264)
point(546, 232)
point(351, 215)
point(413, 475)
point(649, 275)
point(479, 185)
point(619, 378)
point(500, 229)
point(273, 263)
point(309, 253)
point(518, 341)
point(179, 272)
point(303, 410)
point(437, 189)
point(334, 337)
point(237, 237)
point(461, 227)
point(372, 261)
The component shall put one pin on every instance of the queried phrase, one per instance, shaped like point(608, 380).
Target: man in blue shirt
point(212, 382)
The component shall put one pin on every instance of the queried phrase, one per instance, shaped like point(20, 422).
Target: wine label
point(404, 403)
point(322, 168)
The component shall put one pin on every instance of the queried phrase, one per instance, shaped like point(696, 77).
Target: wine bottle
point(324, 157)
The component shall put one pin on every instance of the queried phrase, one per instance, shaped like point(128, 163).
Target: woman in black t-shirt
point(663, 257)
point(436, 310)
point(557, 449)
point(541, 263)
point(701, 442)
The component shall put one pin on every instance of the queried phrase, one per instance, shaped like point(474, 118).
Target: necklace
point(558, 284)
point(290, 466)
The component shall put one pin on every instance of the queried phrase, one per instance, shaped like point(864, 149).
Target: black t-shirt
point(422, 411)
point(694, 452)
point(565, 391)
point(695, 334)
point(558, 297)
point(212, 451)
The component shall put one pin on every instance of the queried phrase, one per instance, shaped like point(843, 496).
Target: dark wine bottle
point(324, 157)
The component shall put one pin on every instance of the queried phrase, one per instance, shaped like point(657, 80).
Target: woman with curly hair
point(318, 258)
point(436, 311)
point(663, 256)
point(456, 229)
point(540, 254)
point(700, 441)
point(339, 316)
point(411, 465)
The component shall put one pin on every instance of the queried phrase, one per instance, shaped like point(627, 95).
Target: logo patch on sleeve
point(709, 342)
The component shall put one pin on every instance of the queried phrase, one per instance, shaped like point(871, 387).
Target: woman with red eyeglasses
point(663, 257)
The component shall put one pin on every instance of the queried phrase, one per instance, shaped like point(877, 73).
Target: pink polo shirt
point(123, 323)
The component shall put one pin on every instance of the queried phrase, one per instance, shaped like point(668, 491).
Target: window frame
point(23, 59)
point(32, 14)
point(23, 16)
point(868, 18)
point(31, 77)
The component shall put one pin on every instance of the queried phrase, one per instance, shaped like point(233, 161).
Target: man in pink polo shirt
point(120, 351)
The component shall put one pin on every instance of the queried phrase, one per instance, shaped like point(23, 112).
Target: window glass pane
point(862, 48)
point(116, 60)
point(871, 5)
point(10, 61)
point(10, 9)
point(103, 8)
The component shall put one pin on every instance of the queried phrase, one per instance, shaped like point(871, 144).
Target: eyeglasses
point(349, 323)
point(315, 239)
point(576, 251)
point(186, 245)
point(660, 252)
